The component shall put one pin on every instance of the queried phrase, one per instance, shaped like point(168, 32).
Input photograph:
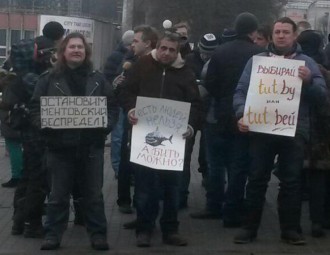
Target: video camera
point(46, 56)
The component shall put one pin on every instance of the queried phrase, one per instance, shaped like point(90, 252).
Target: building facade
point(20, 19)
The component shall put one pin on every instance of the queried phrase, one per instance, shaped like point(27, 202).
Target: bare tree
point(203, 15)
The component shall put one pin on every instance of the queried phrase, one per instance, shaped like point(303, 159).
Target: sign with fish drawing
point(273, 98)
point(157, 137)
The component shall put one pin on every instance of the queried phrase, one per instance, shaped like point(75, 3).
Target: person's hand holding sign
point(189, 133)
point(304, 73)
point(131, 117)
point(241, 126)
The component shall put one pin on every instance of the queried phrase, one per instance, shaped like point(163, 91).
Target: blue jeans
point(263, 149)
point(125, 168)
point(150, 186)
point(86, 164)
point(226, 152)
point(116, 140)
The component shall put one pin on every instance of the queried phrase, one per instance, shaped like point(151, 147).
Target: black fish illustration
point(155, 138)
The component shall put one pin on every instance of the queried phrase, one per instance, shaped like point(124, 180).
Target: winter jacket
point(51, 84)
point(224, 70)
point(318, 148)
point(113, 65)
point(149, 78)
point(313, 93)
point(185, 50)
point(195, 62)
point(6, 130)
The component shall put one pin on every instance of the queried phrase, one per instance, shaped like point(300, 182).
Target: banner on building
point(272, 103)
point(70, 24)
point(157, 137)
point(73, 112)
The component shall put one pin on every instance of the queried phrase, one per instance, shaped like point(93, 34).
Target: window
point(15, 36)
point(3, 37)
point(28, 34)
point(3, 45)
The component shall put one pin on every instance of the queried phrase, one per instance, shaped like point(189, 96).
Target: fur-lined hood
point(178, 63)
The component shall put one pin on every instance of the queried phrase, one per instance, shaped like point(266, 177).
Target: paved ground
point(205, 236)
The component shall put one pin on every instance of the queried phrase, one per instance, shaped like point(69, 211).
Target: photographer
point(30, 58)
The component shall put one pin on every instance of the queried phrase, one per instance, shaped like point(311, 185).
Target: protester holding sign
point(74, 151)
point(161, 74)
point(264, 147)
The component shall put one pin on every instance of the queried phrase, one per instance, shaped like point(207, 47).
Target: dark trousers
point(125, 169)
point(150, 186)
point(185, 178)
point(319, 200)
point(263, 149)
point(185, 181)
point(31, 191)
point(238, 169)
point(202, 155)
point(86, 164)
point(226, 152)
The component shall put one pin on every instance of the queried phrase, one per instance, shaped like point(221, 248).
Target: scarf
point(77, 79)
point(286, 54)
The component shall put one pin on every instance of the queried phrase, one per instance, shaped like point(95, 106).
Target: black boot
point(317, 230)
point(251, 223)
point(100, 244)
point(245, 236)
point(17, 228)
point(33, 229)
point(50, 244)
point(12, 183)
point(18, 218)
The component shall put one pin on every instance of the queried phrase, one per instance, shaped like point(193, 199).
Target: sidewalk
point(205, 237)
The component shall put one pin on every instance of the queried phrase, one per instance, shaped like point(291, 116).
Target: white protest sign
point(272, 103)
point(70, 24)
point(73, 112)
point(157, 137)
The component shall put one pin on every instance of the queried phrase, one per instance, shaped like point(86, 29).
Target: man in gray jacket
point(290, 150)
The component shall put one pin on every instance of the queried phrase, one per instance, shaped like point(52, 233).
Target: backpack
point(22, 56)
point(29, 58)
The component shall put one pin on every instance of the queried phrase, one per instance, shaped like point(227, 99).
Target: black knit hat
point(228, 34)
point(246, 23)
point(208, 43)
point(53, 30)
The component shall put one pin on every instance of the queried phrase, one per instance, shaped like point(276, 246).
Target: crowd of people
point(214, 77)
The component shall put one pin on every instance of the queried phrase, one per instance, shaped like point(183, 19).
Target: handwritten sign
point(273, 98)
point(73, 112)
point(157, 137)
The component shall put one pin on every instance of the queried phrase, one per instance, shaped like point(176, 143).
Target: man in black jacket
point(29, 60)
point(161, 74)
point(226, 148)
point(198, 61)
point(74, 154)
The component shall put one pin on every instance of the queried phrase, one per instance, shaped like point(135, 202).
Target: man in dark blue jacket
point(112, 69)
point(226, 148)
